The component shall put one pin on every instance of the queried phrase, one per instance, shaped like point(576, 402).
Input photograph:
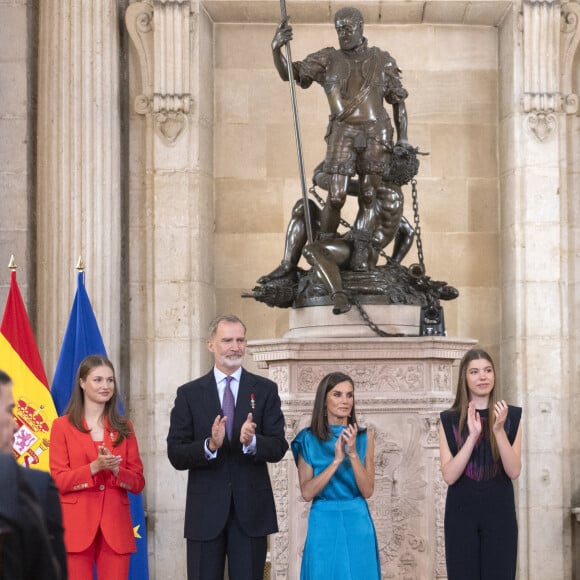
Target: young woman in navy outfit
point(480, 440)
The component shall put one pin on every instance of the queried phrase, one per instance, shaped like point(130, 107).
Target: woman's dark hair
point(462, 396)
point(76, 406)
point(319, 424)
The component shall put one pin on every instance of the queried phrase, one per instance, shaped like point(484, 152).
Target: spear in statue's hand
point(297, 131)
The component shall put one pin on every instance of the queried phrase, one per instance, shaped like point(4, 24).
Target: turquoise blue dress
point(341, 543)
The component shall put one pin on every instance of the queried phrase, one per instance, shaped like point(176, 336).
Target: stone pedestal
point(315, 321)
point(401, 385)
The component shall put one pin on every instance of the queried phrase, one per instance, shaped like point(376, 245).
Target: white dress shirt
point(220, 379)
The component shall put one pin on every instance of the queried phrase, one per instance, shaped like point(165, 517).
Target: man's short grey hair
point(223, 318)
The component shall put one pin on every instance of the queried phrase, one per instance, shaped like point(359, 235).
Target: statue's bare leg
point(366, 202)
point(330, 215)
point(364, 225)
point(296, 239)
point(326, 258)
point(403, 240)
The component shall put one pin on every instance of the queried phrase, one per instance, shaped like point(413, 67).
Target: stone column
point(570, 43)
point(534, 311)
point(171, 242)
point(79, 193)
point(401, 385)
point(16, 172)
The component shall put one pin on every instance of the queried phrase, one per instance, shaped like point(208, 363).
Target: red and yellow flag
point(19, 357)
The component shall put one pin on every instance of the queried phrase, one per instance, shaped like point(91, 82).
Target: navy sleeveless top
point(481, 465)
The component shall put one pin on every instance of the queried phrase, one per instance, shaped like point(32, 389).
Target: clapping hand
point(248, 430)
point(107, 461)
point(346, 442)
point(218, 433)
point(473, 421)
point(500, 411)
point(349, 436)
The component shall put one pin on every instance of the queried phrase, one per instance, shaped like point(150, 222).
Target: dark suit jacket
point(26, 551)
point(232, 476)
point(45, 488)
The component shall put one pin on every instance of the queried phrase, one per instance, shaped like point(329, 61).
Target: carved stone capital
point(138, 19)
point(160, 32)
point(570, 37)
point(571, 104)
point(541, 40)
point(542, 125)
point(169, 125)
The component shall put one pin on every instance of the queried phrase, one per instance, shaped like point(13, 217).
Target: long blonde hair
point(462, 397)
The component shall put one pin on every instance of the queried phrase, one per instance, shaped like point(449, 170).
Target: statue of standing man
point(356, 79)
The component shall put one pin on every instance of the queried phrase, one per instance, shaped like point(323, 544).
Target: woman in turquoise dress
point(335, 460)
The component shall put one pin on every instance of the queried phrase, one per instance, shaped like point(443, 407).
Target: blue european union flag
point(81, 339)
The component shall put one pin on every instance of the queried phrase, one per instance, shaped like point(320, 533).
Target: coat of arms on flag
point(19, 357)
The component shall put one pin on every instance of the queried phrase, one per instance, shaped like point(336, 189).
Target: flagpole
point(12, 264)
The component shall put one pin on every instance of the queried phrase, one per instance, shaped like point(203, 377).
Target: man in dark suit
point(46, 491)
point(230, 505)
point(30, 511)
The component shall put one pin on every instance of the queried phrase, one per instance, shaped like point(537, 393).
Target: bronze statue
point(363, 160)
point(357, 80)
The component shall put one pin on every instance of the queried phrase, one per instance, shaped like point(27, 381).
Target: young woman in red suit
point(94, 460)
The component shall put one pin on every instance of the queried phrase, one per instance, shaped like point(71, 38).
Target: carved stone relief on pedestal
point(393, 377)
point(399, 499)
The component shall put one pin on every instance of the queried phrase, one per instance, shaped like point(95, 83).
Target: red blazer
point(89, 502)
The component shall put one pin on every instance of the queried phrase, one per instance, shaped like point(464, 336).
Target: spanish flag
point(19, 358)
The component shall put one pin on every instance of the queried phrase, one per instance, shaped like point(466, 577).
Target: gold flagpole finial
point(80, 265)
point(12, 265)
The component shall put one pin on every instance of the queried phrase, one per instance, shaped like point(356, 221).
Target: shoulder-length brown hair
point(76, 406)
point(319, 424)
point(462, 397)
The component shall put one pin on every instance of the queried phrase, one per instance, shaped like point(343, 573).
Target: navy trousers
point(246, 555)
point(481, 530)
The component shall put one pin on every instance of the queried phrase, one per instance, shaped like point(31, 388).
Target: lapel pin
point(252, 401)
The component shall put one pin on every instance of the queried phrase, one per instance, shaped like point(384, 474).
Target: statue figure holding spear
point(366, 157)
point(357, 80)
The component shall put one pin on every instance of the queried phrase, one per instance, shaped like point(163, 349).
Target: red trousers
point(109, 564)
